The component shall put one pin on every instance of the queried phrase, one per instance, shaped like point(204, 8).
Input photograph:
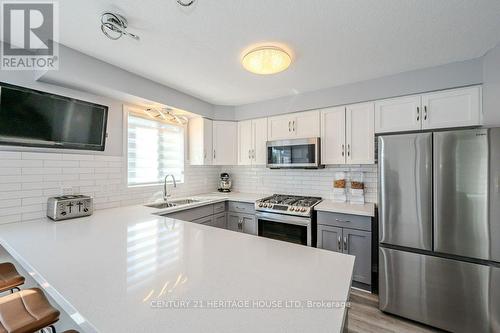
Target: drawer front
point(345, 221)
point(219, 207)
point(193, 214)
point(241, 207)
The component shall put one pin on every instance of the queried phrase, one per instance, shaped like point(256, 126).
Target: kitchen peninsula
point(121, 269)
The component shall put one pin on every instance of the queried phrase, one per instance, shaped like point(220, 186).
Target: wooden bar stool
point(26, 311)
point(10, 279)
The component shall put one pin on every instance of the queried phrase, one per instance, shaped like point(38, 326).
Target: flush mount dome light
point(266, 60)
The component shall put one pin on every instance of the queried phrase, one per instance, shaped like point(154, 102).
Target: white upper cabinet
point(306, 125)
point(259, 131)
point(294, 126)
point(452, 108)
point(200, 141)
point(398, 114)
point(360, 133)
point(333, 135)
point(252, 138)
point(279, 127)
point(225, 143)
point(245, 144)
point(443, 109)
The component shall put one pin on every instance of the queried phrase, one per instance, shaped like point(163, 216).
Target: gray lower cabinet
point(335, 233)
point(246, 223)
point(219, 220)
point(330, 238)
point(359, 244)
point(212, 215)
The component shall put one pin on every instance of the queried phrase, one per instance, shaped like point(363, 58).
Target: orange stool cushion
point(26, 311)
point(9, 277)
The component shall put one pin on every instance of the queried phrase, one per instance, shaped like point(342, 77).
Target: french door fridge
point(439, 228)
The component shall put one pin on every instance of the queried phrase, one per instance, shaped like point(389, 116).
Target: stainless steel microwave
point(294, 153)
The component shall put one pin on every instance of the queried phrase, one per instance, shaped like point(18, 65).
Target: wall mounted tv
point(38, 119)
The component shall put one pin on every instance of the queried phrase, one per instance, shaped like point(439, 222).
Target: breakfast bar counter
point(128, 270)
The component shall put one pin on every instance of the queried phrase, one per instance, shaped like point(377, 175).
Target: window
point(154, 150)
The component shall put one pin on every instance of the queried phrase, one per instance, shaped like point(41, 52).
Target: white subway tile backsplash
point(10, 203)
point(4, 155)
point(63, 164)
point(259, 179)
point(9, 171)
point(28, 179)
point(41, 156)
point(41, 171)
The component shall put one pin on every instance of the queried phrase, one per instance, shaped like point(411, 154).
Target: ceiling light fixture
point(185, 3)
point(168, 115)
point(266, 60)
point(114, 26)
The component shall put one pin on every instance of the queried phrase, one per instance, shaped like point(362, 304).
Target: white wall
point(491, 87)
point(429, 79)
point(114, 127)
point(86, 73)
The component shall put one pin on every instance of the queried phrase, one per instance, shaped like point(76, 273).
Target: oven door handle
point(282, 218)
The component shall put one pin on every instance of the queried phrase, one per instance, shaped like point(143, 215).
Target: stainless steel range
point(289, 218)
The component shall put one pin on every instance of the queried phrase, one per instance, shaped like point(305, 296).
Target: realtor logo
point(29, 35)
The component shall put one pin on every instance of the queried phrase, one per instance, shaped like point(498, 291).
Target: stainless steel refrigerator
point(439, 228)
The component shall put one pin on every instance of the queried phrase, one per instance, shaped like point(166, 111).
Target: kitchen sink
point(173, 203)
point(184, 201)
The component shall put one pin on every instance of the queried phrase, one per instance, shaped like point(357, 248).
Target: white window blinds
point(155, 149)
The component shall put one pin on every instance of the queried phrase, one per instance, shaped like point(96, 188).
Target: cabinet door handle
point(339, 243)
point(342, 221)
point(214, 154)
point(418, 113)
point(204, 154)
point(345, 243)
point(425, 112)
point(289, 126)
point(348, 150)
point(293, 127)
point(343, 150)
point(249, 154)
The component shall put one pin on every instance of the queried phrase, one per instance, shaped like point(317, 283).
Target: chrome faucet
point(165, 195)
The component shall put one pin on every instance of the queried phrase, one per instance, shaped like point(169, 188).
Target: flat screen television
point(38, 119)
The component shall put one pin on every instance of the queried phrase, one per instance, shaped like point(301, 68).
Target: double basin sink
point(173, 203)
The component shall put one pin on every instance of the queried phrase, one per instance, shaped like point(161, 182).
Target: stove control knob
point(260, 204)
point(266, 205)
point(292, 208)
point(270, 206)
point(303, 209)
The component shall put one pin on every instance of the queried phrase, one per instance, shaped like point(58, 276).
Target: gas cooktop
point(287, 204)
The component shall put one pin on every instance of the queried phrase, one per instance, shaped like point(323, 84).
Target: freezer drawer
point(461, 223)
point(405, 175)
point(448, 294)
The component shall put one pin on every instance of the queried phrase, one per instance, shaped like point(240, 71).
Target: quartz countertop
point(367, 209)
point(120, 270)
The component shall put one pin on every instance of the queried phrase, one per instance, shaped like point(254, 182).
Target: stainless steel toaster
point(69, 206)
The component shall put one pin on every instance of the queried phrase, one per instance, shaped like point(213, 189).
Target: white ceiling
point(334, 42)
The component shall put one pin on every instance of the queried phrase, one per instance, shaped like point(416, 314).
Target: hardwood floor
point(364, 316)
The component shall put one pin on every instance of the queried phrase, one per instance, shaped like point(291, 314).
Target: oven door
point(293, 229)
point(297, 153)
